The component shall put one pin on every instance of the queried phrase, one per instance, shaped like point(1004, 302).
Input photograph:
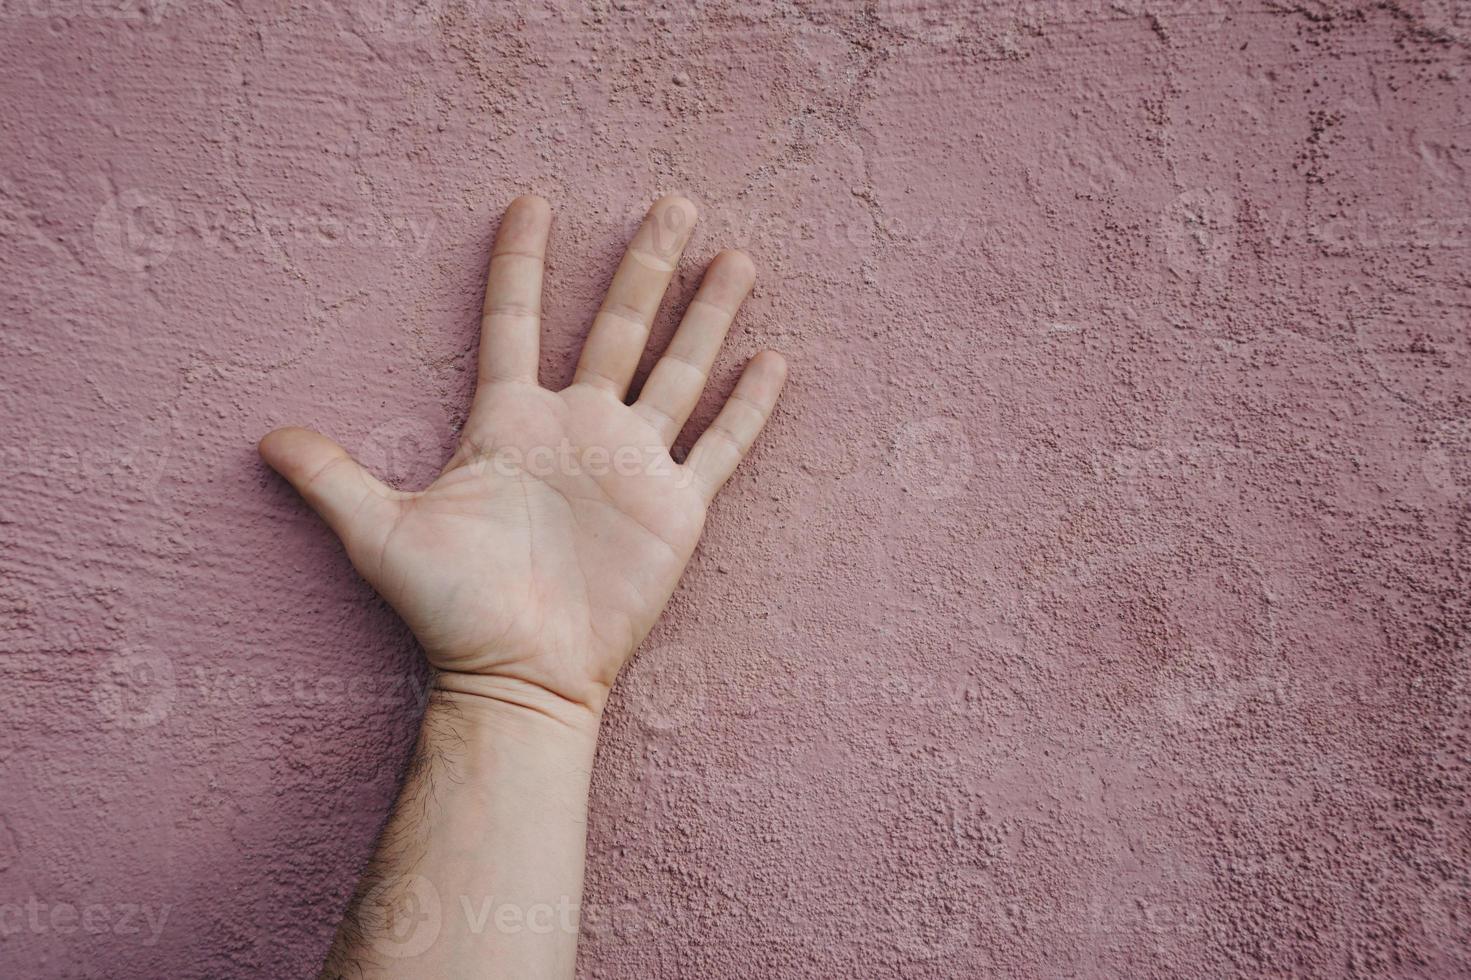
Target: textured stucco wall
point(1096, 604)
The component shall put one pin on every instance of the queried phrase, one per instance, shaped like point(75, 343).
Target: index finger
point(510, 324)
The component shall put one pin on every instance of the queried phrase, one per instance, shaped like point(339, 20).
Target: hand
point(543, 553)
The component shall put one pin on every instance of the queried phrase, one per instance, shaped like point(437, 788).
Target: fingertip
point(293, 450)
point(764, 377)
point(532, 204)
point(736, 263)
point(728, 279)
point(677, 205)
point(770, 362)
point(326, 476)
point(273, 444)
point(526, 222)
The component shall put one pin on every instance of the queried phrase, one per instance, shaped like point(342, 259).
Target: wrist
point(507, 706)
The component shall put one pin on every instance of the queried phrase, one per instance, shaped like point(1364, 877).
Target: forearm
point(478, 872)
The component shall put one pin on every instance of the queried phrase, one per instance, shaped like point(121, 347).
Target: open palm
point(550, 543)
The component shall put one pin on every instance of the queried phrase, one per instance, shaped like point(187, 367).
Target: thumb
point(332, 482)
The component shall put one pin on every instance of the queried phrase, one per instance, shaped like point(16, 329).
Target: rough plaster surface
point(1096, 604)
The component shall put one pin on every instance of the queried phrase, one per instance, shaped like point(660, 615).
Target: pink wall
point(1096, 604)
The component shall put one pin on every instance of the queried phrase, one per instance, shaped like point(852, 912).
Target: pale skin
point(530, 570)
